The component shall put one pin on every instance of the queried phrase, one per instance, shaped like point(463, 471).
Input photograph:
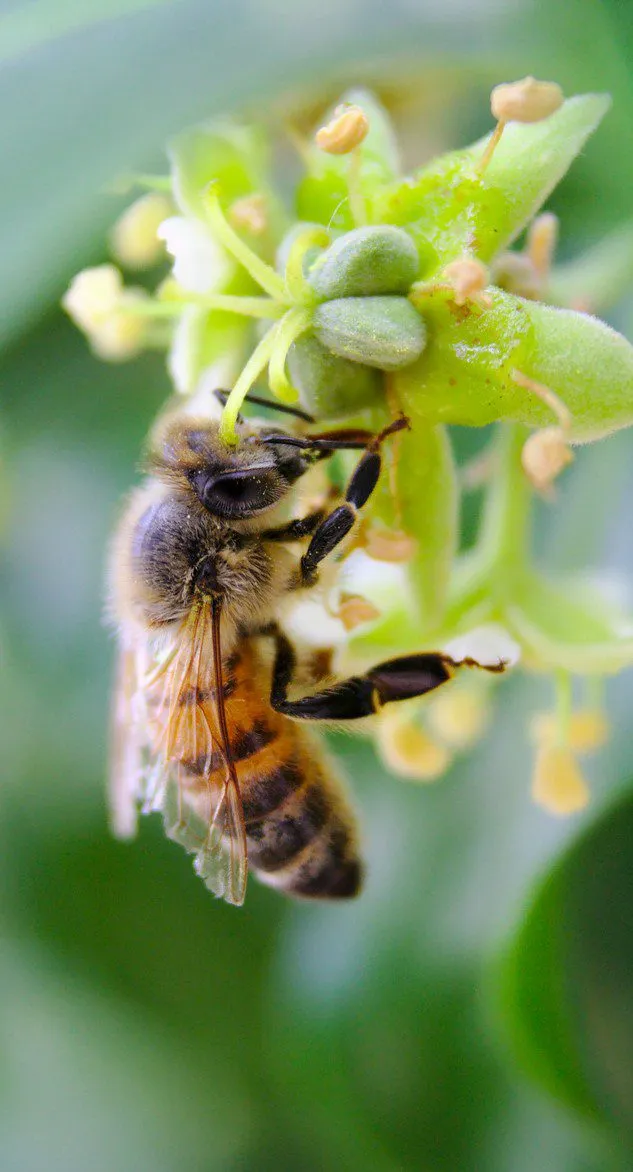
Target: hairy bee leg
point(360, 696)
point(335, 527)
point(295, 530)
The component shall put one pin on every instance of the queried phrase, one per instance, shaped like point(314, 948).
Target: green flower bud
point(384, 332)
point(330, 387)
point(366, 262)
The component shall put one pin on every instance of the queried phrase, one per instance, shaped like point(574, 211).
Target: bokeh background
point(473, 1012)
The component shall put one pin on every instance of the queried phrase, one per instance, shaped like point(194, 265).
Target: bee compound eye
point(236, 494)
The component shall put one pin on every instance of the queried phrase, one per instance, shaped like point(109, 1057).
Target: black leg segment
point(360, 696)
point(338, 524)
point(295, 530)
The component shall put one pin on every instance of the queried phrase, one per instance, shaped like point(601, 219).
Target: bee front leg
point(335, 527)
point(363, 695)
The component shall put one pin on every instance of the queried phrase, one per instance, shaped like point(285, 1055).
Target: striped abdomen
point(300, 828)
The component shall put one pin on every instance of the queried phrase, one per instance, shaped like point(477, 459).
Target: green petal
point(203, 338)
point(233, 155)
point(465, 374)
point(323, 194)
point(571, 626)
point(453, 210)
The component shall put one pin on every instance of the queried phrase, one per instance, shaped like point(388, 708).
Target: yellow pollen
point(459, 716)
point(345, 131)
point(389, 545)
point(408, 750)
point(545, 454)
point(355, 610)
point(587, 730)
point(468, 277)
point(558, 784)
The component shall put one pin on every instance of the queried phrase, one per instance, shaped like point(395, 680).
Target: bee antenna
point(273, 405)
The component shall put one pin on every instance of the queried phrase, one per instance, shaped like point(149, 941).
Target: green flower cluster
point(383, 293)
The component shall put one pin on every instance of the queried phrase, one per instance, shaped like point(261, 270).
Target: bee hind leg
point(363, 695)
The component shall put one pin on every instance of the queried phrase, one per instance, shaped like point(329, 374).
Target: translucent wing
point(125, 776)
point(192, 777)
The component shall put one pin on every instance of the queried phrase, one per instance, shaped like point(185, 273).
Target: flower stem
point(295, 322)
point(506, 531)
point(262, 307)
point(296, 283)
point(261, 272)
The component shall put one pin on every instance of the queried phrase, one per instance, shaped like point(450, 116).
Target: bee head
point(232, 483)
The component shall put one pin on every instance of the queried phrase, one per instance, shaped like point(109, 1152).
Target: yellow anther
point(354, 610)
point(541, 243)
point(558, 784)
point(408, 750)
point(250, 213)
point(527, 100)
point(545, 454)
point(515, 272)
point(345, 131)
point(468, 277)
point(587, 730)
point(460, 716)
point(389, 545)
point(134, 239)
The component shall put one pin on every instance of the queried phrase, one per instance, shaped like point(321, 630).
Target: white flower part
point(134, 237)
point(308, 623)
point(93, 295)
point(200, 264)
point(382, 582)
point(183, 360)
point(487, 644)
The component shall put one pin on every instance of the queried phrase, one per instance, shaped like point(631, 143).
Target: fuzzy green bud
point(365, 263)
point(330, 386)
point(384, 332)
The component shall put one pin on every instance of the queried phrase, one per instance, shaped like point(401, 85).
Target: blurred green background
point(474, 1009)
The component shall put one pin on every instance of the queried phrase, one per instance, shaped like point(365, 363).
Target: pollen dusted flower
point(381, 293)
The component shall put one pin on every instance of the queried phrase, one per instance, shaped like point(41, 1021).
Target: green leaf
point(535, 1003)
point(566, 981)
point(323, 193)
point(453, 210)
point(465, 374)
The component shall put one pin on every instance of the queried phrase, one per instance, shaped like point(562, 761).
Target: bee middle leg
point(363, 695)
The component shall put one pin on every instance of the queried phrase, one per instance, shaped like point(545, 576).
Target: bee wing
point(125, 773)
point(206, 818)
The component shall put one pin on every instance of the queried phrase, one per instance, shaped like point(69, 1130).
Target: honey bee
point(213, 704)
